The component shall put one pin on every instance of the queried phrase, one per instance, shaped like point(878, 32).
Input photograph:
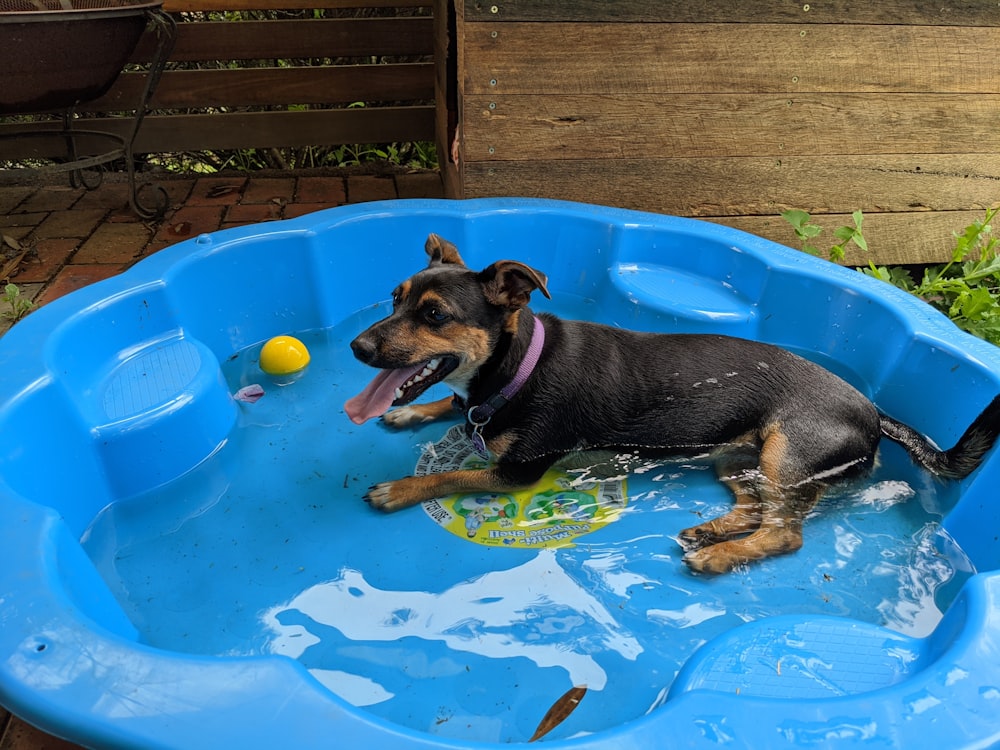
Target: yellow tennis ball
point(283, 355)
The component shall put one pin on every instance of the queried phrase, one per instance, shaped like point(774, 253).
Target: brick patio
point(70, 237)
point(75, 237)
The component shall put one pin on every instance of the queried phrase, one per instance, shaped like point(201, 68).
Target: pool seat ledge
point(159, 413)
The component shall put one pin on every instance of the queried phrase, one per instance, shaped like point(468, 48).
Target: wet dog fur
point(779, 428)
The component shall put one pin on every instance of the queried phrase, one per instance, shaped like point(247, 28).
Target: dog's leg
point(402, 493)
point(780, 532)
point(740, 474)
point(787, 491)
point(406, 416)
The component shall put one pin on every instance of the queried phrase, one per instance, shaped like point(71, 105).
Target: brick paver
point(277, 190)
point(216, 191)
point(46, 260)
point(76, 223)
point(73, 277)
point(51, 198)
point(12, 197)
point(325, 191)
point(113, 243)
point(364, 188)
point(418, 185)
point(190, 221)
point(295, 210)
point(32, 219)
point(251, 213)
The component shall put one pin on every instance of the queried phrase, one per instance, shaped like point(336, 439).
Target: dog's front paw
point(391, 496)
point(404, 416)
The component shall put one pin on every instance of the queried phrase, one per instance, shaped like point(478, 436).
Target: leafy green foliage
point(966, 288)
point(807, 231)
point(17, 306)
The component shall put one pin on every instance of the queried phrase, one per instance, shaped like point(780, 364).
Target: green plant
point(806, 231)
point(966, 288)
point(18, 305)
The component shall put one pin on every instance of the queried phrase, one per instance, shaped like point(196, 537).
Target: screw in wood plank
point(494, 9)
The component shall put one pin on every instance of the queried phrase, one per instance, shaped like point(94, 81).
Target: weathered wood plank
point(284, 39)
point(893, 238)
point(628, 58)
point(530, 127)
point(926, 12)
point(178, 6)
point(913, 185)
point(191, 89)
point(236, 130)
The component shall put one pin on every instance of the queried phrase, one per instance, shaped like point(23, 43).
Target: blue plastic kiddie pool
point(183, 568)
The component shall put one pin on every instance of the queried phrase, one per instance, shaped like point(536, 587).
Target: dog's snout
point(364, 348)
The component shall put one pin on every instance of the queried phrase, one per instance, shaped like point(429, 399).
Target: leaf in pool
point(560, 710)
point(250, 393)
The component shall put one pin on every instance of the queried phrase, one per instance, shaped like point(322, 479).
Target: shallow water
point(267, 548)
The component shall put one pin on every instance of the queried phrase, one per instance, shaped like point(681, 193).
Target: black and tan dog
point(536, 389)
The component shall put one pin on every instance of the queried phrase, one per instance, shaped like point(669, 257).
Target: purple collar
point(479, 416)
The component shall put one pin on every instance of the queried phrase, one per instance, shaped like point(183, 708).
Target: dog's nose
point(363, 348)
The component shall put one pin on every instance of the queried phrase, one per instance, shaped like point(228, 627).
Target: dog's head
point(445, 323)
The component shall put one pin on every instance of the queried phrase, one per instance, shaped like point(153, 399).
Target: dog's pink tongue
point(378, 395)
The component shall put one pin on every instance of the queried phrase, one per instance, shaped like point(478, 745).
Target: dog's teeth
point(433, 364)
point(398, 393)
point(426, 371)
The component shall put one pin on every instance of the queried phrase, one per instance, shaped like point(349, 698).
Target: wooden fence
point(733, 112)
point(727, 112)
point(233, 65)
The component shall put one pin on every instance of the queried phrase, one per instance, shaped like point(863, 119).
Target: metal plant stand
point(70, 52)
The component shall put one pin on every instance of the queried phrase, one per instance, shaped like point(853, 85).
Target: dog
point(535, 389)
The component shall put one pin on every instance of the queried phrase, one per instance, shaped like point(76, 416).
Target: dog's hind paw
point(711, 560)
point(696, 538)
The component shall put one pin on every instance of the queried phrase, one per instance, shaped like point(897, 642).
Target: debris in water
point(249, 393)
point(560, 710)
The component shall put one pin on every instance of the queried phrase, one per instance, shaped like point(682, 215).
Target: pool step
point(682, 294)
point(161, 410)
point(796, 658)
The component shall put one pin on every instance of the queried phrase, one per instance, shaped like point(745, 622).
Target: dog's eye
point(436, 316)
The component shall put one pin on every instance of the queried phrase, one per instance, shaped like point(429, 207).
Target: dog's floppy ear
point(442, 251)
point(509, 284)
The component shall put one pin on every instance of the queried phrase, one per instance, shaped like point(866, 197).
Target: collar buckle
point(479, 416)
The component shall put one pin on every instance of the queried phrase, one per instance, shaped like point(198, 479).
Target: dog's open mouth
point(397, 387)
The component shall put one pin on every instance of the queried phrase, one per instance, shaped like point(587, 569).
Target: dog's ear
point(442, 251)
point(509, 284)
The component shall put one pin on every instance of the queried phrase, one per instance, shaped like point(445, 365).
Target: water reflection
point(535, 611)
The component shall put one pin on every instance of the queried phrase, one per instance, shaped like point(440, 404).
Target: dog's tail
point(956, 462)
